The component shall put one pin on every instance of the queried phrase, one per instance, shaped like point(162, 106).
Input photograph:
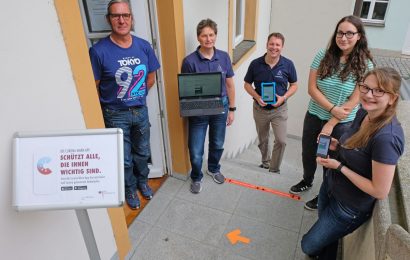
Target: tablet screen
point(268, 93)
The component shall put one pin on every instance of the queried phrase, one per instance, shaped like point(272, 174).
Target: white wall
point(242, 133)
point(307, 27)
point(38, 93)
point(195, 11)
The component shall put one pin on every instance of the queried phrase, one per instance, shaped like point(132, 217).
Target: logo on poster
point(41, 165)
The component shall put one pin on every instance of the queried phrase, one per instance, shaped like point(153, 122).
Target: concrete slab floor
point(180, 225)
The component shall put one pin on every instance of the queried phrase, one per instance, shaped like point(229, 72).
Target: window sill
point(373, 24)
point(241, 49)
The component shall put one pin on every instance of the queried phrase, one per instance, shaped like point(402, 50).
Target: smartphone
point(323, 146)
point(269, 92)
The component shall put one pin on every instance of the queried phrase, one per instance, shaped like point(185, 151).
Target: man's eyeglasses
point(349, 35)
point(377, 92)
point(125, 16)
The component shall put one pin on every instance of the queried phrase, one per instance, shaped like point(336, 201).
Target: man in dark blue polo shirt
point(207, 58)
point(271, 67)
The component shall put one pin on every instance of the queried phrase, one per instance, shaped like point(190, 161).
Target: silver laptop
point(200, 94)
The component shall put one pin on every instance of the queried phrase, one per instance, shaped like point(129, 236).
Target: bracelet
point(330, 111)
point(339, 168)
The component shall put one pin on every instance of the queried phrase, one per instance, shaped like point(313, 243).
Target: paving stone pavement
point(401, 64)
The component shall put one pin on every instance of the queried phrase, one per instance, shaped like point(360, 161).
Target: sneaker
point(300, 187)
point(274, 171)
point(217, 176)
point(196, 187)
point(145, 190)
point(132, 199)
point(264, 166)
point(312, 204)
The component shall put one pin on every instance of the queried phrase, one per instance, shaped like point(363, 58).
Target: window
point(372, 11)
point(242, 29)
point(239, 20)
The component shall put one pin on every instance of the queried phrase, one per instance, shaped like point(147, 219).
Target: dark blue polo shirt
point(220, 62)
point(282, 74)
point(385, 146)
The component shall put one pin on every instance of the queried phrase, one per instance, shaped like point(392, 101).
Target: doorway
point(93, 14)
point(144, 15)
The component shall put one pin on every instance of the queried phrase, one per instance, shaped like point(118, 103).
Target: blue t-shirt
point(283, 73)
point(386, 146)
point(220, 62)
point(122, 72)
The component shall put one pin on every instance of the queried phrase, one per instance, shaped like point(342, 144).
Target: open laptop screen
point(200, 84)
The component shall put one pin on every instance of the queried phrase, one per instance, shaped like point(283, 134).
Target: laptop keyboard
point(201, 104)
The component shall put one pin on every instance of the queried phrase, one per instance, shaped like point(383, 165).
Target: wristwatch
point(232, 109)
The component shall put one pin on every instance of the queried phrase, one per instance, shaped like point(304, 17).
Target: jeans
point(312, 126)
point(196, 138)
point(264, 119)
point(335, 221)
point(135, 125)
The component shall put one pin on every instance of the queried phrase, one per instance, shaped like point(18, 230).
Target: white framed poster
point(68, 170)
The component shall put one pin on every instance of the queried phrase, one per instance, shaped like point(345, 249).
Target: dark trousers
point(137, 151)
point(312, 126)
point(197, 126)
point(335, 221)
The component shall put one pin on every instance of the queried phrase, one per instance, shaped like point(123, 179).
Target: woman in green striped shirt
point(332, 85)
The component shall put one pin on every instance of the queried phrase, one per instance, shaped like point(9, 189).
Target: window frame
point(369, 19)
point(238, 37)
point(238, 52)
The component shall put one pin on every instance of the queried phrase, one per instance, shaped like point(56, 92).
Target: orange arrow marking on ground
point(234, 237)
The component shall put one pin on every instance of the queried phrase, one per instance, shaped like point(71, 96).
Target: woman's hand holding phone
point(328, 162)
point(323, 146)
point(326, 143)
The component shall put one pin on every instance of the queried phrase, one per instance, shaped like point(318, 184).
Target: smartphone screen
point(268, 93)
point(323, 146)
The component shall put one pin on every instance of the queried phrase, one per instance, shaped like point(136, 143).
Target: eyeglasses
point(349, 35)
point(377, 92)
point(125, 16)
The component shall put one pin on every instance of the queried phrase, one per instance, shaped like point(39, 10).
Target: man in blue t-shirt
point(124, 70)
point(271, 68)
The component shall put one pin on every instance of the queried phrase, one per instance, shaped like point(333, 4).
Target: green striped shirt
point(336, 91)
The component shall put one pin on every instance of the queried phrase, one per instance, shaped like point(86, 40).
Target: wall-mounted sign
point(68, 170)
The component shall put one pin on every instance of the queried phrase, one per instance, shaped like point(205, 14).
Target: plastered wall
point(39, 95)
